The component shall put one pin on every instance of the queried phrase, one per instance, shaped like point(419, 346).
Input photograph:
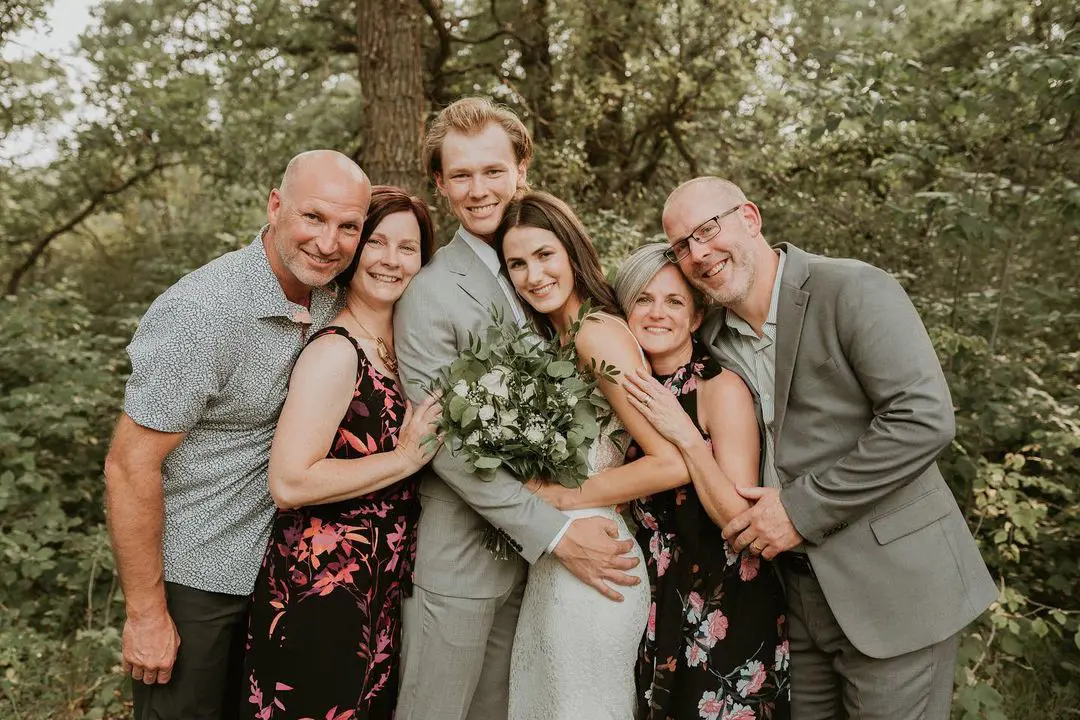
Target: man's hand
point(149, 647)
point(764, 526)
point(591, 550)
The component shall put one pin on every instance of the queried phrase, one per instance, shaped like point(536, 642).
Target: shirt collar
point(268, 299)
point(482, 249)
point(735, 322)
point(775, 302)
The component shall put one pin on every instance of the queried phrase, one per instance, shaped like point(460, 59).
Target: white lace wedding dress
point(574, 650)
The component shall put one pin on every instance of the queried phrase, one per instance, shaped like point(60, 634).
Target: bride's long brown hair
point(545, 211)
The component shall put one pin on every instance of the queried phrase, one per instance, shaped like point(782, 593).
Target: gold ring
point(645, 401)
point(755, 548)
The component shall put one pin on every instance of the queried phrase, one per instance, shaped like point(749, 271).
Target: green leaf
point(487, 463)
point(1011, 645)
point(561, 369)
point(457, 407)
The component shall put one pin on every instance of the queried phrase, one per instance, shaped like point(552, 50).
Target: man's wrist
point(554, 544)
point(148, 604)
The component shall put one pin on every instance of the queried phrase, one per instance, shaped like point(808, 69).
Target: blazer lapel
point(790, 313)
point(475, 278)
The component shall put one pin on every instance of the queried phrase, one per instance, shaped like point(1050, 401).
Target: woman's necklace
point(386, 355)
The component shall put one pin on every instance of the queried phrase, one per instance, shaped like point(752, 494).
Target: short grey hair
point(639, 269)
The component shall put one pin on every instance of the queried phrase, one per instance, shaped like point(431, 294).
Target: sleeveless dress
point(716, 645)
point(574, 650)
point(325, 631)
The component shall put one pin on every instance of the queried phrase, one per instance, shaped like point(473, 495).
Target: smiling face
point(663, 316)
point(315, 220)
point(540, 268)
point(480, 176)
point(388, 261)
point(724, 267)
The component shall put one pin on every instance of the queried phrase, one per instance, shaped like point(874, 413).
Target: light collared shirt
point(490, 258)
point(758, 356)
point(212, 358)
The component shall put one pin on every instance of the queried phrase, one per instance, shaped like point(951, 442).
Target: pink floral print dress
point(716, 644)
point(325, 631)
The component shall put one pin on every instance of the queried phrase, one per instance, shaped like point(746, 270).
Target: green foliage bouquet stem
point(517, 401)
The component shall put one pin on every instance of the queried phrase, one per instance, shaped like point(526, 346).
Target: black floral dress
point(716, 644)
point(325, 631)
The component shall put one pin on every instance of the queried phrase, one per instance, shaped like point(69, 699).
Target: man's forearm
point(504, 502)
point(135, 505)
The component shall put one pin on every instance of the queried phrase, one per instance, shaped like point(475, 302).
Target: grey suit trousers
point(461, 646)
point(832, 680)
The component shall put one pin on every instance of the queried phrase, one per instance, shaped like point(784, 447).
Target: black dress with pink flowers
point(716, 644)
point(325, 632)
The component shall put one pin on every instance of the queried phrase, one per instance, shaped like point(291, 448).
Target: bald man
point(186, 490)
point(880, 569)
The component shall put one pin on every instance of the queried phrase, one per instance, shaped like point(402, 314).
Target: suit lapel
point(790, 313)
point(475, 278)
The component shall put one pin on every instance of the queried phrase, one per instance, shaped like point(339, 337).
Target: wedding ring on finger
point(755, 548)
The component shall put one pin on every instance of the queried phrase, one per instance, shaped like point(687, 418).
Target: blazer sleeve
point(426, 342)
point(890, 353)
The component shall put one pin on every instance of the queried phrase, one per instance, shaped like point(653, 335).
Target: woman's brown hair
point(545, 211)
point(385, 201)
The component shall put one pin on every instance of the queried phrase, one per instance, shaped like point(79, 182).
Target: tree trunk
point(537, 63)
point(390, 61)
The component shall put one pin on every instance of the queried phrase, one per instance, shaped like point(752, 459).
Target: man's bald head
point(714, 187)
point(314, 167)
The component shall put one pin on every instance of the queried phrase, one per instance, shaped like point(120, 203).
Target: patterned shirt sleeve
point(174, 368)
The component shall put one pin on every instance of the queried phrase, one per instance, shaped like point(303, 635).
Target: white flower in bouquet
point(528, 392)
point(495, 381)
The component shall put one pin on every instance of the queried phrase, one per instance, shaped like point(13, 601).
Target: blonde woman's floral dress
point(325, 632)
point(716, 644)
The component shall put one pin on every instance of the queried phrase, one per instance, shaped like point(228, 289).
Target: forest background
point(939, 139)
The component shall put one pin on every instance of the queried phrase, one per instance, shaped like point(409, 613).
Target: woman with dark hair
point(574, 650)
point(324, 637)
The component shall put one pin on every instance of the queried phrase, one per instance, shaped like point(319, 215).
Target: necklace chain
point(386, 355)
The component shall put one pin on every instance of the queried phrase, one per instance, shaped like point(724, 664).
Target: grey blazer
point(862, 411)
point(449, 298)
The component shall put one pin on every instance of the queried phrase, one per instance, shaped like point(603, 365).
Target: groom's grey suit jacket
point(861, 412)
point(449, 298)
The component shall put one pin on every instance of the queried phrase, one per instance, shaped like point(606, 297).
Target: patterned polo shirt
point(212, 358)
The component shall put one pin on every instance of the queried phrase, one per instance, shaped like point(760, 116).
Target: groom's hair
point(470, 116)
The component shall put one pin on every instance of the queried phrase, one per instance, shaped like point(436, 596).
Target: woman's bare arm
point(320, 391)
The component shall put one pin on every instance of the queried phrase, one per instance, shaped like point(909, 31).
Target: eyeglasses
point(703, 233)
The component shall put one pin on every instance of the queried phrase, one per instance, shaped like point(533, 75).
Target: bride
point(574, 650)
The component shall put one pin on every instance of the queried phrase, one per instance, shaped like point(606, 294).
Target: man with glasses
point(880, 569)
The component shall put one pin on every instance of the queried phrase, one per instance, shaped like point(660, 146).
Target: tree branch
point(88, 209)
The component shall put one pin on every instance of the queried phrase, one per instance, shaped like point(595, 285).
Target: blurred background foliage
point(938, 139)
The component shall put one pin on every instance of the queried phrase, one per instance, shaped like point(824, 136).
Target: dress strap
point(334, 330)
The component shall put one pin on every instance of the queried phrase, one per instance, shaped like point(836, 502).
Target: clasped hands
point(764, 527)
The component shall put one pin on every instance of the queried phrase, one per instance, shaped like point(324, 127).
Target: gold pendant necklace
point(386, 355)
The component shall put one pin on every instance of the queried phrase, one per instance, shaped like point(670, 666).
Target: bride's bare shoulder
point(606, 337)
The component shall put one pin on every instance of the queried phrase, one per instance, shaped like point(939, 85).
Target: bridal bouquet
point(517, 401)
